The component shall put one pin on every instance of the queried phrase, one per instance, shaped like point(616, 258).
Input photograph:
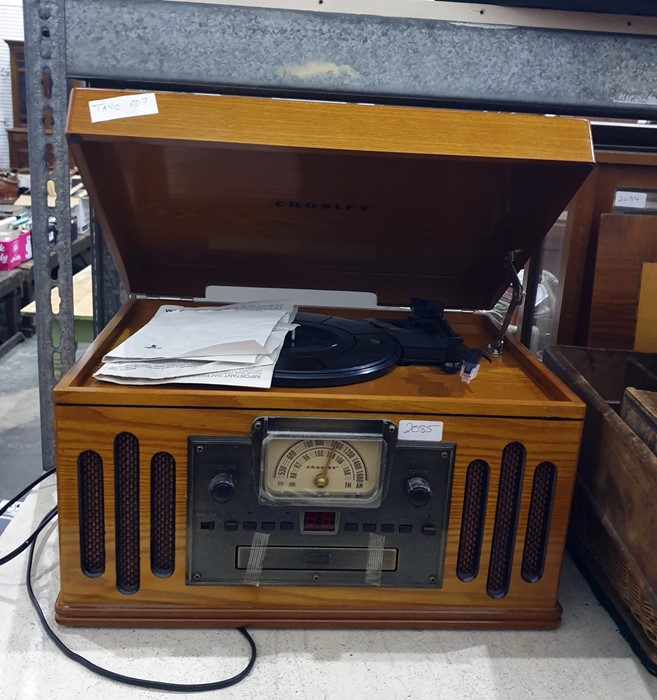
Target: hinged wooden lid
point(400, 201)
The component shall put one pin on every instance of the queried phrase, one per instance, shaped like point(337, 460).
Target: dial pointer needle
point(321, 480)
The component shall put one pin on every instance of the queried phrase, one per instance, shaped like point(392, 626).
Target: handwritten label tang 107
point(123, 107)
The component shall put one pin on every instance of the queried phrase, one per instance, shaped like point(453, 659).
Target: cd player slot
point(314, 558)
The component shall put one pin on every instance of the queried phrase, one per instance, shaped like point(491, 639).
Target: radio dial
point(418, 490)
point(222, 487)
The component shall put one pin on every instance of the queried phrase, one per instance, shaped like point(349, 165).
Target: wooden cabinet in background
point(17, 135)
point(625, 243)
point(19, 156)
point(606, 247)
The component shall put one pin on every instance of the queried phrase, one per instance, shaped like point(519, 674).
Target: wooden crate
point(614, 514)
point(639, 411)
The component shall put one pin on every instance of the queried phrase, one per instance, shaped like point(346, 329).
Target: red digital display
point(314, 521)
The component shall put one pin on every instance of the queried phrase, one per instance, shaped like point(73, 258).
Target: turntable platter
point(332, 351)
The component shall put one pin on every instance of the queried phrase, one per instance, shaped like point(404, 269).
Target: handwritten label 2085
point(424, 431)
point(123, 107)
point(630, 200)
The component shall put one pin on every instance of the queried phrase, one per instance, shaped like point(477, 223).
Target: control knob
point(418, 490)
point(222, 487)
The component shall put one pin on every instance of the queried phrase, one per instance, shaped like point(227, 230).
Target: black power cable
point(94, 668)
point(15, 552)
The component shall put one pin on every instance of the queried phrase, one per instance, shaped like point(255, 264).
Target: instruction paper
point(235, 345)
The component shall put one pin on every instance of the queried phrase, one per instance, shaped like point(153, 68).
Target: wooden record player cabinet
point(448, 193)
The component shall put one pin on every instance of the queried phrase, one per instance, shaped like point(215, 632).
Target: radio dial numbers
point(326, 469)
point(330, 465)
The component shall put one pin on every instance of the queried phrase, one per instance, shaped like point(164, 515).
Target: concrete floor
point(586, 658)
point(20, 425)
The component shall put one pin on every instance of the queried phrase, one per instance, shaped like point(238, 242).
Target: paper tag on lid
point(123, 107)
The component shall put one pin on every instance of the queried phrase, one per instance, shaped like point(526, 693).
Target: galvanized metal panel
point(362, 56)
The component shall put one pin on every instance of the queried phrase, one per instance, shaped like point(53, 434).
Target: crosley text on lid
point(400, 201)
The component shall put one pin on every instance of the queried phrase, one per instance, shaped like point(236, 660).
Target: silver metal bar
point(45, 34)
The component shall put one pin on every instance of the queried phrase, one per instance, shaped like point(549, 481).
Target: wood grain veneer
point(80, 428)
point(514, 398)
point(399, 201)
point(268, 193)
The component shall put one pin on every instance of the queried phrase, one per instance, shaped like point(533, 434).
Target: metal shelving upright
point(409, 52)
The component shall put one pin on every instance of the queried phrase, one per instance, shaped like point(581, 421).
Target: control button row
point(288, 525)
point(372, 527)
point(266, 525)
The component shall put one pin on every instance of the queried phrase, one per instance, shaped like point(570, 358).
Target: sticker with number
point(420, 430)
point(630, 200)
point(124, 107)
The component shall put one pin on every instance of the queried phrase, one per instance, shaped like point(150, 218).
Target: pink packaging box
point(14, 251)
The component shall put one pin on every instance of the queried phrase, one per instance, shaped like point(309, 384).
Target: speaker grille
point(472, 521)
point(506, 519)
point(163, 514)
point(538, 522)
point(126, 482)
point(91, 513)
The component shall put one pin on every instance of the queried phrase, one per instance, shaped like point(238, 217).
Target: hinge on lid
point(516, 299)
